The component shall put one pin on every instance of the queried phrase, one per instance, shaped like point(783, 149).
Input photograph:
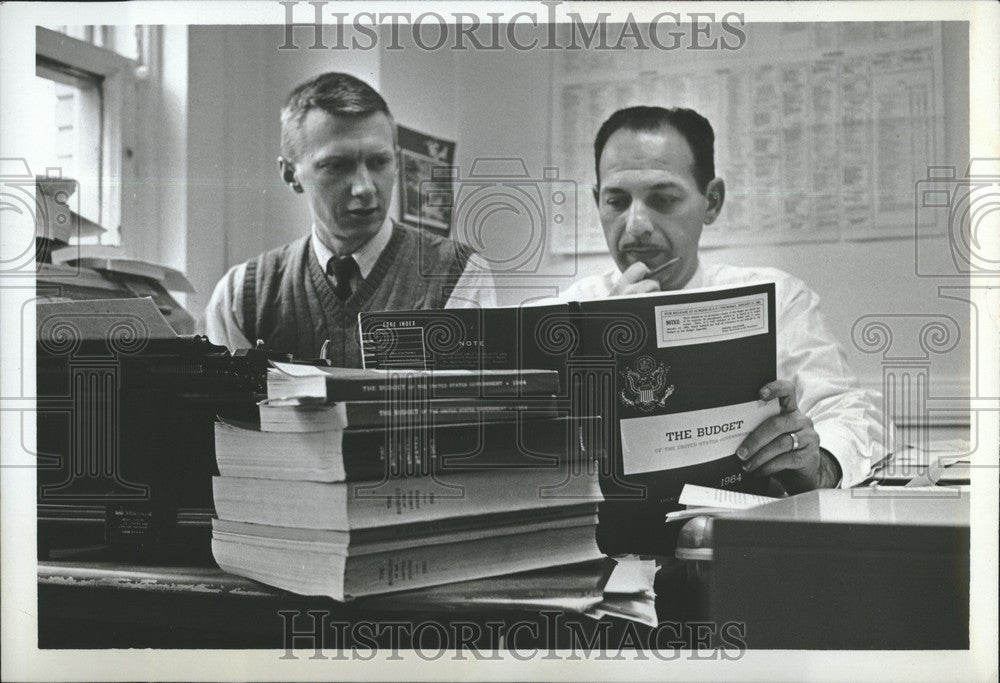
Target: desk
point(846, 569)
point(94, 604)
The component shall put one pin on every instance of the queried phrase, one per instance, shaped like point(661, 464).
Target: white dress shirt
point(848, 419)
point(223, 317)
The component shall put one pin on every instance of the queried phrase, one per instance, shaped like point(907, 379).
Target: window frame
point(118, 122)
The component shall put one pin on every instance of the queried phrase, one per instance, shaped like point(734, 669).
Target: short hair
point(695, 128)
point(336, 93)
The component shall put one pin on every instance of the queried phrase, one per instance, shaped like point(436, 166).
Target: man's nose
point(637, 222)
point(362, 184)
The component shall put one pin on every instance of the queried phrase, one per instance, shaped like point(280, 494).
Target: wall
point(222, 200)
point(499, 104)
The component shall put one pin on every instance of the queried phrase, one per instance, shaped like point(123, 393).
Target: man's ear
point(287, 170)
point(716, 195)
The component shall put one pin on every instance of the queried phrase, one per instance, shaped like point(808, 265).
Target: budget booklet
point(675, 377)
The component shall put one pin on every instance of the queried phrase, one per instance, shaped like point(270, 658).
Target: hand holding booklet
point(674, 376)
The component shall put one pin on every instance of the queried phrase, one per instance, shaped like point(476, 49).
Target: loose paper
point(721, 498)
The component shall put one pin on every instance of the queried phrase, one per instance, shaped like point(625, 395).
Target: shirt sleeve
point(223, 318)
point(591, 287)
point(475, 288)
point(849, 419)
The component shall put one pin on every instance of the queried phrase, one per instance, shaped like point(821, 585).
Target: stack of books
point(361, 482)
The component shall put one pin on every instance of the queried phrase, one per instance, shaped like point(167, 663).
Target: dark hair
point(335, 93)
point(693, 126)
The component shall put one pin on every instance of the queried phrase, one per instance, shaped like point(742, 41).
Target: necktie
point(343, 271)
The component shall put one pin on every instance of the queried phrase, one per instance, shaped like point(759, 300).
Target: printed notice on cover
point(710, 321)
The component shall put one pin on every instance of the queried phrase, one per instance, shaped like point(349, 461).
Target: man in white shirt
point(338, 149)
point(656, 189)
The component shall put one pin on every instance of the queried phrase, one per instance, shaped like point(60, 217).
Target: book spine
point(378, 454)
point(418, 502)
point(418, 507)
point(473, 386)
point(390, 414)
point(449, 563)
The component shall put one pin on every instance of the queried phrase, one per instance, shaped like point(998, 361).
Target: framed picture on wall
point(425, 173)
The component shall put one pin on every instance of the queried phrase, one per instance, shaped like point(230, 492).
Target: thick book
point(675, 376)
point(569, 588)
point(412, 534)
point(315, 415)
point(242, 450)
point(290, 380)
point(318, 562)
point(687, 385)
point(363, 505)
point(463, 339)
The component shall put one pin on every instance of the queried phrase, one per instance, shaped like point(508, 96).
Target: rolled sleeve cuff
point(854, 468)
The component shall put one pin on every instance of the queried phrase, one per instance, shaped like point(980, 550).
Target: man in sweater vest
point(338, 149)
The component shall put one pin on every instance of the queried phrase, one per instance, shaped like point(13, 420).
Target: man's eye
point(378, 163)
point(334, 166)
point(617, 203)
point(662, 202)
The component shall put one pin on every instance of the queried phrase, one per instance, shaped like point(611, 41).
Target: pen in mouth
point(663, 266)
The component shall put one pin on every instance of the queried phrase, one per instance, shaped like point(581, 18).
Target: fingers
point(633, 281)
point(794, 460)
point(770, 449)
point(642, 287)
point(763, 462)
point(784, 391)
point(637, 271)
point(769, 430)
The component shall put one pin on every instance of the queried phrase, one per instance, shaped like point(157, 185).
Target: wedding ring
point(795, 441)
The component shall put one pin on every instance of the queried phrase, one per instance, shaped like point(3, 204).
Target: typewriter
point(125, 440)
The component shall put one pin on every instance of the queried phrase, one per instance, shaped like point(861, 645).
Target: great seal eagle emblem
point(645, 386)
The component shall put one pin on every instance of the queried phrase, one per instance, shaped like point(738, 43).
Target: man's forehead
point(649, 179)
point(661, 154)
point(320, 128)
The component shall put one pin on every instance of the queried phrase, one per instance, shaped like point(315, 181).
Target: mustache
point(644, 246)
point(644, 251)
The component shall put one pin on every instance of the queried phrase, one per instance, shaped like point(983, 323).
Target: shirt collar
point(365, 256)
point(698, 279)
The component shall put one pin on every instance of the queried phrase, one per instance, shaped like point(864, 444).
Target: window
point(73, 105)
point(87, 91)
